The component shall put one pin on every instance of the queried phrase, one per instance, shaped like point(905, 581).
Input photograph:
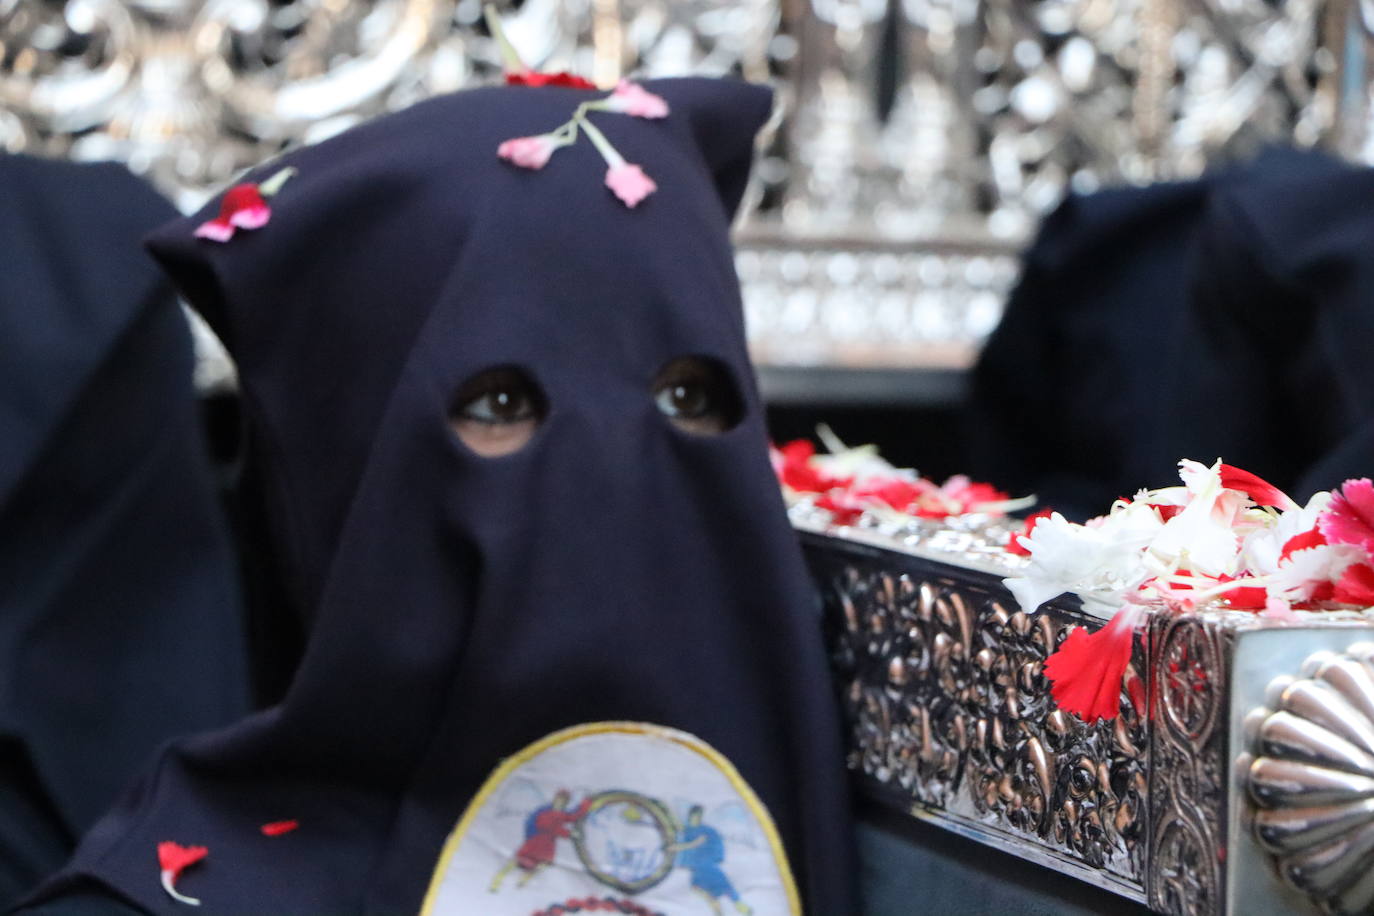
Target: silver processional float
point(1174, 702)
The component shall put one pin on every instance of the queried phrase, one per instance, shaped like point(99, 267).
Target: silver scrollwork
point(949, 711)
point(1188, 791)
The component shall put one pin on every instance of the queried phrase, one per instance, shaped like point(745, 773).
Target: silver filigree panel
point(916, 144)
point(950, 718)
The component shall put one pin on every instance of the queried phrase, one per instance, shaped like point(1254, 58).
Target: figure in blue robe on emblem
point(701, 850)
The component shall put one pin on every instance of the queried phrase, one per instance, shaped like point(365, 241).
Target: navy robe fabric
point(1223, 317)
point(460, 607)
point(119, 617)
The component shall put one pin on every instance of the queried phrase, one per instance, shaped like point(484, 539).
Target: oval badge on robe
point(614, 817)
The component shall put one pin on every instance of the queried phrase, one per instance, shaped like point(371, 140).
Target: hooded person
point(120, 624)
point(563, 654)
point(1217, 317)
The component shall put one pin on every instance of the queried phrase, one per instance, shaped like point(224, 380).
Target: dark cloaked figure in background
point(616, 608)
point(1224, 317)
point(119, 618)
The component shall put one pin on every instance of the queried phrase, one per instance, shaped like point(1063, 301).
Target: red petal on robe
point(1260, 490)
point(277, 828)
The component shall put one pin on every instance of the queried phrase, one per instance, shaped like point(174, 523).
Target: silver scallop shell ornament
point(1312, 779)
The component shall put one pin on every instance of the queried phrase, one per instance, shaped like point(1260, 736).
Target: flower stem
point(510, 58)
point(168, 876)
point(272, 185)
point(603, 146)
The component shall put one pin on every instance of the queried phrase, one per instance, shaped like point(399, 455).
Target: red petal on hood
point(1261, 491)
point(561, 78)
point(174, 857)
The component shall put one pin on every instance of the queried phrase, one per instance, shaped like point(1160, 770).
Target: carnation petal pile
point(848, 482)
point(1225, 539)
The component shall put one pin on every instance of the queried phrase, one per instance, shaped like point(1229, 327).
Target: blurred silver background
point(916, 142)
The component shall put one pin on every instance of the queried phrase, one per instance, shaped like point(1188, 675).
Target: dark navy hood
point(119, 616)
point(461, 608)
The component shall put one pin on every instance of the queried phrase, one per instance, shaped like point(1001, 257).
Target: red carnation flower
point(1258, 489)
point(1087, 671)
point(244, 206)
point(1356, 585)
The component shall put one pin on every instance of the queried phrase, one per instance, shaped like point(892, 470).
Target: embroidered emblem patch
point(614, 816)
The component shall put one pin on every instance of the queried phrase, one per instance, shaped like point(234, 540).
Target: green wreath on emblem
point(638, 806)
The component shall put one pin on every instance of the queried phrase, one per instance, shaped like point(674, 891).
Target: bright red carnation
point(795, 470)
point(1260, 490)
point(1244, 597)
point(1087, 670)
point(1356, 585)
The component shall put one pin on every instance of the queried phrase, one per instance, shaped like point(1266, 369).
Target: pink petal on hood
point(251, 217)
point(216, 230)
point(633, 99)
point(527, 152)
point(1349, 518)
point(628, 182)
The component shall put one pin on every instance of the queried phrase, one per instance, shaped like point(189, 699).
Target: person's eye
point(496, 412)
point(697, 395)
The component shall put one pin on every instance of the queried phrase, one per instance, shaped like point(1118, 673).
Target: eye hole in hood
point(496, 411)
point(698, 395)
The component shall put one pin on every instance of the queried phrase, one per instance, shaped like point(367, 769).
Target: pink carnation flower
point(1349, 518)
point(528, 152)
point(628, 182)
point(634, 100)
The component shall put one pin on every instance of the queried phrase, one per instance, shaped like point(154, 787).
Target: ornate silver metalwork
point(974, 542)
point(1313, 778)
point(917, 140)
point(853, 304)
point(1186, 802)
point(951, 717)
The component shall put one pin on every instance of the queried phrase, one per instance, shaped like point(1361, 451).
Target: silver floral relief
point(949, 713)
point(916, 144)
point(1188, 788)
point(1312, 779)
